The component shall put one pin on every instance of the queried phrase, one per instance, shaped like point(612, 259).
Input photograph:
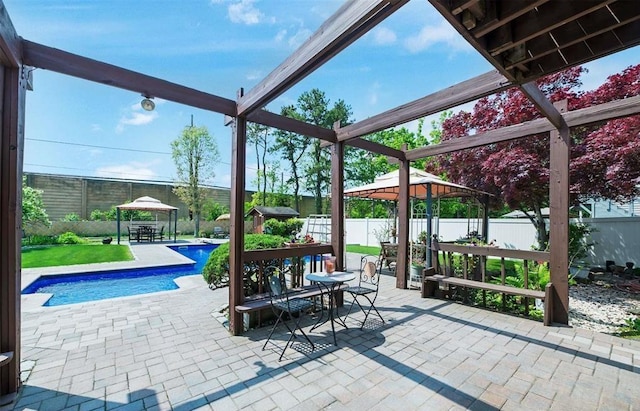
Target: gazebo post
point(403, 226)
point(175, 226)
point(118, 223)
point(429, 222)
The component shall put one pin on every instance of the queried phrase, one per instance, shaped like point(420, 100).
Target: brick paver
point(170, 351)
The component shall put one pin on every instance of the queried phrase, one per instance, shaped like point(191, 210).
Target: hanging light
point(147, 104)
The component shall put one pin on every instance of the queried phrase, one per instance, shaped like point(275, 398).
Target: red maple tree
point(605, 159)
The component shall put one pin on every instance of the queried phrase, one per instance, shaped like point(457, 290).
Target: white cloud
point(254, 75)
point(244, 12)
point(300, 37)
point(280, 35)
point(432, 35)
point(373, 93)
point(95, 128)
point(134, 170)
point(136, 119)
point(384, 36)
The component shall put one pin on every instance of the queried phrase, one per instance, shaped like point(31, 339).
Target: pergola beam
point(461, 93)
point(583, 117)
point(543, 104)
point(38, 55)
point(377, 148)
point(345, 26)
point(9, 40)
point(270, 119)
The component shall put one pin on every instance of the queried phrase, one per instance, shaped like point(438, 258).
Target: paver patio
point(170, 351)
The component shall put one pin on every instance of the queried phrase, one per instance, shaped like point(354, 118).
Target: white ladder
point(319, 227)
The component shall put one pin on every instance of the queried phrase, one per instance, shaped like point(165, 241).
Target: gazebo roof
point(146, 204)
point(387, 187)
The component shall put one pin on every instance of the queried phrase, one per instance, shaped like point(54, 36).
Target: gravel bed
point(601, 307)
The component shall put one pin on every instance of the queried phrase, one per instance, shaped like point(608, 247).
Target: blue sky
point(77, 127)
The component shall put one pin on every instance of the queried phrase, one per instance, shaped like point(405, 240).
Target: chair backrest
point(370, 267)
point(275, 283)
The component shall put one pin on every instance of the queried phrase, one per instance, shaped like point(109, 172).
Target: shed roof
point(273, 211)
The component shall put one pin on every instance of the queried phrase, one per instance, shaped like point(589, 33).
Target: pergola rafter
point(461, 93)
point(353, 20)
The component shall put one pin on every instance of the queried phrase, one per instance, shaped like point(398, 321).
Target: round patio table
point(329, 284)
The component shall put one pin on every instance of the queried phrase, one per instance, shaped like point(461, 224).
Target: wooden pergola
point(522, 39)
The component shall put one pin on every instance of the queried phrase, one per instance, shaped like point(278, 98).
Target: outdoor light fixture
point(147, 104)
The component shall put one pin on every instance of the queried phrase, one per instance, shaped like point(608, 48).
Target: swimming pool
point(83, 287)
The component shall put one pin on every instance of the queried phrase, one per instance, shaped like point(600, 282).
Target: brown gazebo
point(522, 39)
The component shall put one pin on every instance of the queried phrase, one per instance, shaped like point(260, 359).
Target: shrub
point(70, 238)
point(216, 270)
point(37, 239)
point(97, 215)
point(71, 217)
point(287, 229)
point(631, 328)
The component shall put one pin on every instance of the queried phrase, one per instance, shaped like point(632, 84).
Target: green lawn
point(363, 249)
point(50, 256)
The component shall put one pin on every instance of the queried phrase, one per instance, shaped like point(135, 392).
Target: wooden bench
point(262, 301)
point(429, 290)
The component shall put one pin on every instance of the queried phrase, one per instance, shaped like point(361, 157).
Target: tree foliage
point(33, 211)
point(292, 148)
point(312, 107)
point(258, 135)
point(195, 154)
point(605, 160)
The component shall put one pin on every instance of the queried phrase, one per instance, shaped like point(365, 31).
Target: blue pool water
point(77, 288)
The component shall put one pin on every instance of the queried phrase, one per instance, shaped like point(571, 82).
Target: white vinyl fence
point(616, 239)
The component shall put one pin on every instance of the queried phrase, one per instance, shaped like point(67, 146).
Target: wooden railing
point(255, 299)
point(259, 259)
point(474, 263)
point(444, 262)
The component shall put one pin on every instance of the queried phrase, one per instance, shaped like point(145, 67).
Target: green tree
point(212, 210)
point(312, 107)
point(195, 154)
point(33, 211)
point(258, 135)
point(292, 148)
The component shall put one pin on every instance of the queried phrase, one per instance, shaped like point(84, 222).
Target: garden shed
point(261, 214)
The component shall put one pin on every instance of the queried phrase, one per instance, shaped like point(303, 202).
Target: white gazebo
point(150, 204)
point(422, 185)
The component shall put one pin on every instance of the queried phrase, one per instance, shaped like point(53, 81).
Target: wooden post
point(13, 81)
point(560, 146)
point(236, 222)
point(337, 202)
point(403, 227)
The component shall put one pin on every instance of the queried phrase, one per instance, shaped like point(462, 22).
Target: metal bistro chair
point(368, 283)
point(285, 307)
